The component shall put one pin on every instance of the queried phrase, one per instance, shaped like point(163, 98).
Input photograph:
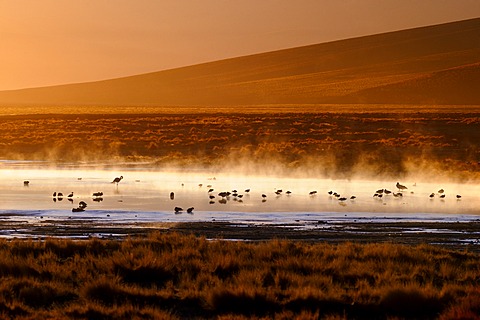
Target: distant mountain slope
point(430, 65)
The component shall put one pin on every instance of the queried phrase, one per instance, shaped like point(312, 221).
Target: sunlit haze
point(54, 42)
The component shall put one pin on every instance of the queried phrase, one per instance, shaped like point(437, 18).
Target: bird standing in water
point(117, 180)
point(400, 187)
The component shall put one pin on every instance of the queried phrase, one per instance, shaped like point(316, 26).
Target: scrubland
point(334, 144)
point(172, 276)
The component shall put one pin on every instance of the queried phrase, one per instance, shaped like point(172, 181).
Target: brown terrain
point(435, 65)
point(329, 144)
point(383, 104)
point(392, 104)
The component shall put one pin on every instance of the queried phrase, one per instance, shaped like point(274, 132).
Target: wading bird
point(117, 180)
point(400, 187)
point(190, 210)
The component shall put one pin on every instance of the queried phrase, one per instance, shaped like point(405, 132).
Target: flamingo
point(117, 180)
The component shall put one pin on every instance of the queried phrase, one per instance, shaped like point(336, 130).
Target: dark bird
point(210, 190)
point(264, 196)
point(26, 183)
point(288, 192)
point(70, 195)
point(178, 209)
point(441, 191)
point(172, 195)
point(432, 195)
point(330, 192)
point(211, 196)
point(82, 204)
point(312, 193)
point(98, 194)
point(458, 196)
point(54, 194)
point(117, 180)
point(399, 194)
point(247, 190)
point(190, 210)
point(353, 197)
point(379, 191)
point(442, 196)
point(79, 209)
point(342, 199)
point(387, 191)
point(400, 187)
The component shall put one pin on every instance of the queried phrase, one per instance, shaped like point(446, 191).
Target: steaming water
point(144, 196)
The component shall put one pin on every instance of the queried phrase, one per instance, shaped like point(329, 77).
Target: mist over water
point(144, 195)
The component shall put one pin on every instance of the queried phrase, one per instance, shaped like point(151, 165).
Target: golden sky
point(53, 42)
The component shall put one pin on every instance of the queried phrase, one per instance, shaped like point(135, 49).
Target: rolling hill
point(434, 65)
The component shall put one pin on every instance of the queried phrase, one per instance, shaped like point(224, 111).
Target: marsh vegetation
point(173, 276)
point(334, 144)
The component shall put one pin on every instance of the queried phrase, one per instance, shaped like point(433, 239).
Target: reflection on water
point(146, 195)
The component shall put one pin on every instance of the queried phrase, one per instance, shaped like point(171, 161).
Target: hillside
point(430, 65)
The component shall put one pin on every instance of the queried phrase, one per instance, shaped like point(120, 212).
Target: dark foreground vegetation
point(173, 276)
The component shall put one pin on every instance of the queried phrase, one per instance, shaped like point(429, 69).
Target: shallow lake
point(144, 195)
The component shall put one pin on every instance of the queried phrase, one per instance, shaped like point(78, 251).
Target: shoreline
point(454, 235)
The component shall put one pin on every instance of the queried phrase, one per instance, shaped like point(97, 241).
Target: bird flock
point(223, 197)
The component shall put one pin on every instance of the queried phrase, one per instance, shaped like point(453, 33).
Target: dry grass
point(333, 144)
point(170, 276)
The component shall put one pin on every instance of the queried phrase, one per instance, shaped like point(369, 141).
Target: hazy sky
point(51, 42)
